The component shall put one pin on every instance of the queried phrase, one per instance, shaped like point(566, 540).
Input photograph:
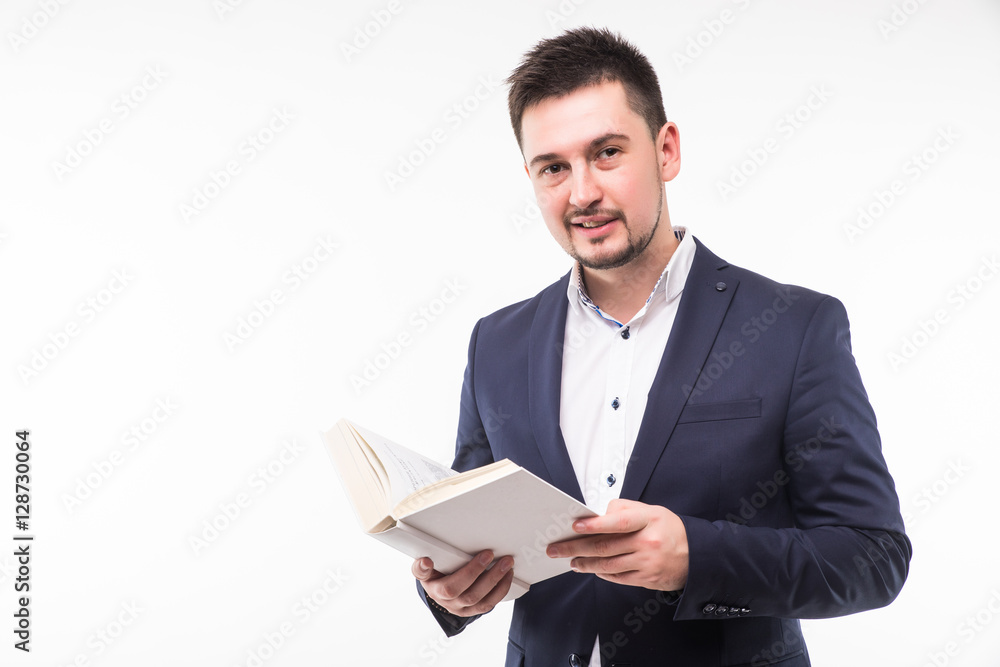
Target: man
point(714, 418)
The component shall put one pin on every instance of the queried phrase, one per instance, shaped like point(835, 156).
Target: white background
point(463, 217)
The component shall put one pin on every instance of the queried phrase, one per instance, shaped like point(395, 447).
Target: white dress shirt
point(607, 371)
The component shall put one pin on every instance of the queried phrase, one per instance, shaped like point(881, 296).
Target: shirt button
point(611, 479)
point(625, 333)
point(615, 404)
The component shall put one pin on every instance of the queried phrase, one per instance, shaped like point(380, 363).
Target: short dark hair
point(579, 58)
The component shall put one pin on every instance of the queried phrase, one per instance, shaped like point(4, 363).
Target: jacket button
point(720, 287)
point(721, 610)
point(709, 608)
point(575, 661)
point(744, 611)
point(733, 611)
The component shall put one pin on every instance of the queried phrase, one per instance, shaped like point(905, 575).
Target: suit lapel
point(545, 346)
point(700, 314)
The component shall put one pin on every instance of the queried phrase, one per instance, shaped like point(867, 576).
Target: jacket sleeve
point(472, 450)
point(847, 551)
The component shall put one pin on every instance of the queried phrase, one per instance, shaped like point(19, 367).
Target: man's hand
point(634, 544)
point(470, 590)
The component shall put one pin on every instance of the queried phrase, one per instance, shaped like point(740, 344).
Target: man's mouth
point(591, 223)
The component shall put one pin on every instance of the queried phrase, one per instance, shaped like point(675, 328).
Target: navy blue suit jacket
point(758, 433)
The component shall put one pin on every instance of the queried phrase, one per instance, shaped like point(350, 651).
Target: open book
point(423, 508)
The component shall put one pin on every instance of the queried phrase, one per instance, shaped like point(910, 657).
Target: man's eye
point(609, 152)
point(552, 169)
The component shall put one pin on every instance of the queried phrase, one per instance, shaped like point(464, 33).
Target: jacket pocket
point(710, 412)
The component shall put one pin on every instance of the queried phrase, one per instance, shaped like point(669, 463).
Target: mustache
point(588, 212)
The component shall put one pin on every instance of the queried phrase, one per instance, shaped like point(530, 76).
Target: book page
point(452, 486)
point(362, 475)
point(407, 470)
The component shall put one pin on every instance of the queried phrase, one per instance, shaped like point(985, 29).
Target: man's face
point(597, 174)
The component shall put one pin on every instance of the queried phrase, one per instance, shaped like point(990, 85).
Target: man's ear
point(526, 170)
point(668, 145)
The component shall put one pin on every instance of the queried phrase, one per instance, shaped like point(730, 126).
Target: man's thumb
point(420, 568)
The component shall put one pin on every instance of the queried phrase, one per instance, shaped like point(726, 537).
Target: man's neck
point(622, 292)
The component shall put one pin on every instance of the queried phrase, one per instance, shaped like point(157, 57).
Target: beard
point(634, 246)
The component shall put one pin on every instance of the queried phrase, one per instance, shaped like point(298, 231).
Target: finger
point(603, 546)
point(622, 564)
point(498, 593)
point(422, 568)
point(483, 594)
point(450, 586)
point(624, 578)
point(627, 519)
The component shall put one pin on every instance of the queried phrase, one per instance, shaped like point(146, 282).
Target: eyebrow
point(604, 138)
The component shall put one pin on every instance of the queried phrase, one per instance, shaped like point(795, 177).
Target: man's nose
point(585, 189)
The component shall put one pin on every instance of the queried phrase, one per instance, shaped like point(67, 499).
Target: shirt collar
point(670, 283)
